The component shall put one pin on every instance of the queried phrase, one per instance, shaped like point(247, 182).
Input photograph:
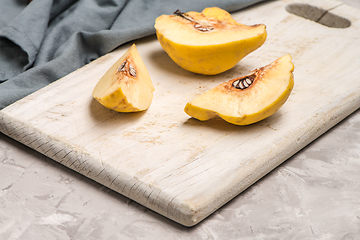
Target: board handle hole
point(318, 15)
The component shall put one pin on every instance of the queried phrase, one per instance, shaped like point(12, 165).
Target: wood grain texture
point(177, 166)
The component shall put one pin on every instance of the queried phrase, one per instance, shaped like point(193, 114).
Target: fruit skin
point(122, 92)
point(226, 102)
point(201, 53)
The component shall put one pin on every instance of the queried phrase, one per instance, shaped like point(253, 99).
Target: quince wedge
point(248, 99)
point(126, 86)
point(209, 42)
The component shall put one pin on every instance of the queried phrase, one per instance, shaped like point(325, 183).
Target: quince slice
point(248, 99)
point(209, 42)
point(126, 86)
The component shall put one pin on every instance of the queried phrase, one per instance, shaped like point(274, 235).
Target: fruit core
point(204, 23)
point(204, 26)
point(128, 68)
point(244, 82)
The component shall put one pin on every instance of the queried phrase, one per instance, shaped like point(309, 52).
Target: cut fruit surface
point(126, 86)
point(209, 42)
point(248, 99)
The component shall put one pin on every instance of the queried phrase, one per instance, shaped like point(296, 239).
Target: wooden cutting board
point(177, 166)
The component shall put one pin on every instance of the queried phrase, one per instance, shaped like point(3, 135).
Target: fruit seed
point(132, 70)
point(122, 67)
point(203, 29)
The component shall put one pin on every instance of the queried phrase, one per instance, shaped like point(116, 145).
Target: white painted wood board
point(177, 166)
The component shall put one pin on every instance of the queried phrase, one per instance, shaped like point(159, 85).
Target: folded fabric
point(44, 40)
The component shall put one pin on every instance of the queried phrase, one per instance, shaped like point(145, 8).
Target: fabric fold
point(27, 30)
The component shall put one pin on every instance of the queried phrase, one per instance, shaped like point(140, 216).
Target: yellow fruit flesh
point(268, 92)
point(123, 92)
point(208, 52)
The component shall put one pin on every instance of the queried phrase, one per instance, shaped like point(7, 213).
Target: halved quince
point(248, 99)
point(126, 86)
point(209, 42)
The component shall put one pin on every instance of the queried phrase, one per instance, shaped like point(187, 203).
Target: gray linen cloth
point(44, 40)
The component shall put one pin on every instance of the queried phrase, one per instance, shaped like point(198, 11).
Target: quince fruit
point(126, 86)
point(209, 42)
point(248, 99)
